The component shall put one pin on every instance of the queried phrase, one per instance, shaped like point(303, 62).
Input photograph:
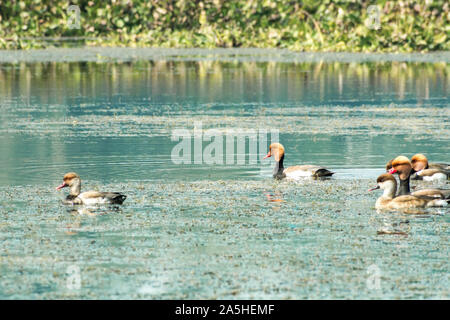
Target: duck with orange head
point(279, 172)
point(389, 201)
point(403, 168)
point(76, 197)
point(423, 170)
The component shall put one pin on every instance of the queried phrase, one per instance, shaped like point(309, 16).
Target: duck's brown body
point(390, 202)
point(75, 197)
point(431, 175)
point(433, 193)
point(400, 202)
point(95, 197)
point(307, 170)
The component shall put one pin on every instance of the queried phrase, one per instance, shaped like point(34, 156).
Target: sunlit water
point(215, 231)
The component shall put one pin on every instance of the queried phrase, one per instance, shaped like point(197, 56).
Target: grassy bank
point(404, 26)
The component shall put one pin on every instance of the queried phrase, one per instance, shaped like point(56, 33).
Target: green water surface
point(217, 231)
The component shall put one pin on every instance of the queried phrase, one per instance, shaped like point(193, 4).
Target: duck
point(389, 201)
point(279, 172)
point(389, 165)
point(428, 171)
point(403, 167)
point(418, 160)
point(75, 197)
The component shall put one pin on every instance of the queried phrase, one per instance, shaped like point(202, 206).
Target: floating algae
point(205, 231)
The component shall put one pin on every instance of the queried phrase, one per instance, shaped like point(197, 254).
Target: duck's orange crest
point(419, 157)
point(277, 150)
point(400, 160)
point(70, 176)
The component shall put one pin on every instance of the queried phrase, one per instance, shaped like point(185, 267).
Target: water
point(212, 231)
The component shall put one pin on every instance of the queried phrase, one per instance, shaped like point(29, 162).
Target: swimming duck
point(403, 167)
point(388, 200)
point(428, 171)
point(420, 162)
point(389, 165)
point(279, 172)
point(73, 181)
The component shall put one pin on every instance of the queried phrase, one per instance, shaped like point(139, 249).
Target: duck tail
point(438, 203)
point(322, 172)
point(118, 198)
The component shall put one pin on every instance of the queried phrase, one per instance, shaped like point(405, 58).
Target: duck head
point(387, 183)
point(402, 166)
point(389, 165)
point(276, 150)
point(73, 181)
point(419, 162)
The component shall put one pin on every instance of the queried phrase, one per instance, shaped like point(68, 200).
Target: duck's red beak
point(392, 171)
point(268, 155)
point(63, 185)
point(374, 188)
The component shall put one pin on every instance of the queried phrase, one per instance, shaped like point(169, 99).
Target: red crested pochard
point(423, 170)
point(277, 151)
point(388, 200)
point(403, 167)
point(73, 181)
point(420, 162)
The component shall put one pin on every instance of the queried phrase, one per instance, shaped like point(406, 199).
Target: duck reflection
point(276, 196)
point(392, 225)
point(93, 210)
point(78, 212)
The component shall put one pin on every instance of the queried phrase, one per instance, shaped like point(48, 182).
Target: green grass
point(405, 26)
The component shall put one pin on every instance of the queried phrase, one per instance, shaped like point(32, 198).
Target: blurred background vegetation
point(79, 83)
point(309, 25)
